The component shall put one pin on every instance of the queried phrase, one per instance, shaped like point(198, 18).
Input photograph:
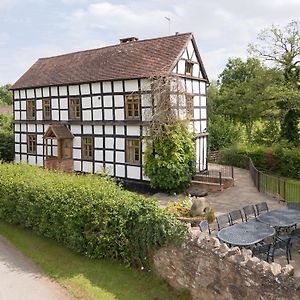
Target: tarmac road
point(20, 279)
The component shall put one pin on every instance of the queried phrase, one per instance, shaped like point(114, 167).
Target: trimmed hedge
point(88, 213)
point(279, 159)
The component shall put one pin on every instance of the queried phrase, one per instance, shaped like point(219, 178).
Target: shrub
point(232, 157)
point(170, 159)
point(88, 213)
point(281, 159)
point(6, 146)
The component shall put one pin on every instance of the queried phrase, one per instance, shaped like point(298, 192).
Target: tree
point(6, 138)
point(6, 95)
point(247, 91)
point(281, 46)
point(223, 132)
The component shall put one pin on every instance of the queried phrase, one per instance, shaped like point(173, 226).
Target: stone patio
point(243, 193)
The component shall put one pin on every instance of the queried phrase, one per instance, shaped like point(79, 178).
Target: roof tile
point(138, 59)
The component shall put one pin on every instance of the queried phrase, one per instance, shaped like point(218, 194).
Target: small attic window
point(188, 68)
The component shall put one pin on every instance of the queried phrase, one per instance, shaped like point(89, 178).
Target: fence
point(275, 186)
point(217, 174)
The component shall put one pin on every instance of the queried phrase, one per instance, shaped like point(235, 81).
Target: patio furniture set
point(266, 233)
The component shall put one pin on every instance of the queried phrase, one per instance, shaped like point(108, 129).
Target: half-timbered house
point(86, 111)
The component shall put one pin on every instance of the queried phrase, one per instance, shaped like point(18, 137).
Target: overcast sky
point(30, 29)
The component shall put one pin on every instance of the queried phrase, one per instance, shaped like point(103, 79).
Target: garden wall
point(211, 270)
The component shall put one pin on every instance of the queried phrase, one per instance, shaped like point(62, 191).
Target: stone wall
point(211, 270)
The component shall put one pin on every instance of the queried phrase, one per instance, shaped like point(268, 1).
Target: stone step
point(210, 186)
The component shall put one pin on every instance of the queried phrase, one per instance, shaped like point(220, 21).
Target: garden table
point(283, 217)
point(245, 234)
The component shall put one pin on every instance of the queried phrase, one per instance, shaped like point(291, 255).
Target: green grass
point(288, 188)
point(86, 278)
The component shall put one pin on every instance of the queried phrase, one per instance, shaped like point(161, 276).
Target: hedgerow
point(279, 159)
point(90, 214)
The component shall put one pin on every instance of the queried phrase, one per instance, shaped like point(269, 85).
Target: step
point(205, 182)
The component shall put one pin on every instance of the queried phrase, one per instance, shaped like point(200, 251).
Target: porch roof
point(58, 131)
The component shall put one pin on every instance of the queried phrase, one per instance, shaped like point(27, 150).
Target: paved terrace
point(243, 193)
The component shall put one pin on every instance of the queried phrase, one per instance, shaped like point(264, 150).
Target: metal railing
point(276, 186)
point(217, 173)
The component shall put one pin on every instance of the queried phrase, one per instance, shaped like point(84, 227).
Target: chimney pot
point(128, 40)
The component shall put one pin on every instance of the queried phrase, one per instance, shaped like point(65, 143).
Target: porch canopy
point(64, 138)
point(59, 132)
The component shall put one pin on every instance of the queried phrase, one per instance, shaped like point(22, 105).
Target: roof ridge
point(116, 45)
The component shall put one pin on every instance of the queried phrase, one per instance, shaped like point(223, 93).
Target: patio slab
point(241, 194)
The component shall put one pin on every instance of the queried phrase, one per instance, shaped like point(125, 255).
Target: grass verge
point(86, 278)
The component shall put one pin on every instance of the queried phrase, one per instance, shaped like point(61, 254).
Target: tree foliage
point(281, 46)
point(6, 95)
point(6, 138)
point(223, 132)
point(170, 159)
point(248, 91)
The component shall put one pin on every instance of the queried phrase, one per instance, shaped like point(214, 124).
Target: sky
point(30, 29)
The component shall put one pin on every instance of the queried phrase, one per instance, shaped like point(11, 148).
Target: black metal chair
point(204, 226)
point(294, 236)
point(262, 251)
point(267, 251)
point(261, 207)
point(235, 215)
point(249, 212)
point(223, 221)
point(280, 247)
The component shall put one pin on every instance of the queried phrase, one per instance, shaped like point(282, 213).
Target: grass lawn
point(87, 278)
point(288, 188)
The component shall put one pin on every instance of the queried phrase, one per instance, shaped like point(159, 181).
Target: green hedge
point(279, 159)
point(88, 213)
point(6, 146)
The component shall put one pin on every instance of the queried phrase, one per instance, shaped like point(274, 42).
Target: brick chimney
point(128, 40)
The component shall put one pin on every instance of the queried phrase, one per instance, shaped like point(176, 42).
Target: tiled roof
point(137, 59)
point(59, 131)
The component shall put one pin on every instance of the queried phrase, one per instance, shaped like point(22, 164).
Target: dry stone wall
point(211, 270)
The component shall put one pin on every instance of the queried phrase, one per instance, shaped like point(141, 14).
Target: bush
point(232, 157)
point(88, 213)
point(170, 159)
point(222, 132)
point(6, 146)
point(280, 159)
point(6, 137)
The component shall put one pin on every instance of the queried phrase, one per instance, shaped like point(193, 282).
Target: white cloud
point(222, 28)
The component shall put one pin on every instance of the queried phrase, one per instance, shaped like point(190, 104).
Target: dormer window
point(188, 68)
